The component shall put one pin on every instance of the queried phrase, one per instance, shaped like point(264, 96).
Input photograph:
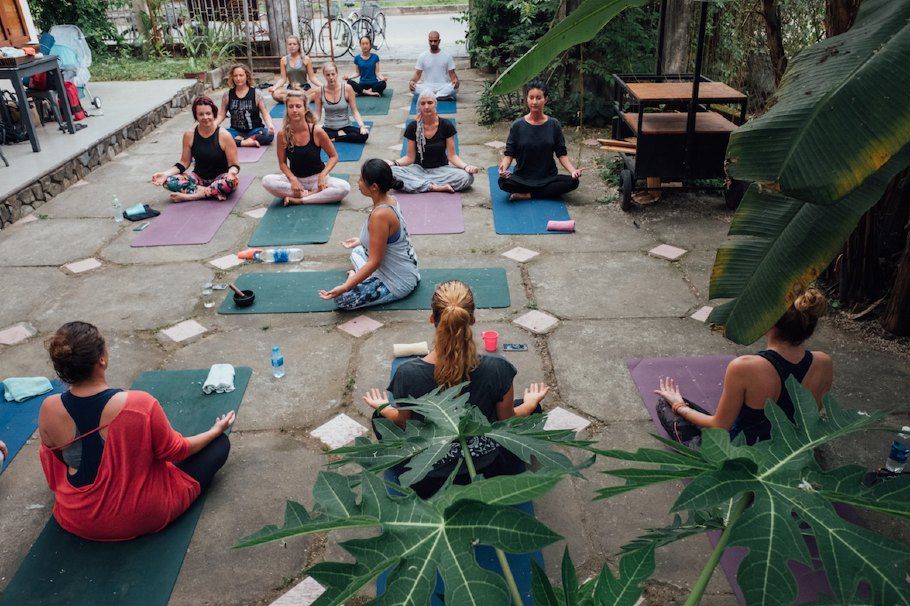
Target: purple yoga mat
point(431, 213)
point(701, 380)
point(190, 222)
point(251, 154)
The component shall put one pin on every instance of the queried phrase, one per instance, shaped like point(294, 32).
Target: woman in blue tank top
point(385, 264)
point(750, 381)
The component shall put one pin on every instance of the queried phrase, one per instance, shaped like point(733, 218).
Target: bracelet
point(237, 166)
point(180, 167)
point(395, 162)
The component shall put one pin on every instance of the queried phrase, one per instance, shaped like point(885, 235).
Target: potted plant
point(195, 47)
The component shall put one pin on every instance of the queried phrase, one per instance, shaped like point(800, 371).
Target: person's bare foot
point(516, 197)
point(182, 197)
point(251, 142)
point(288, 200)
point(370, 92)
point(443, 188)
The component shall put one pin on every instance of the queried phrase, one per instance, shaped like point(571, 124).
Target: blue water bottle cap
point(275, 349)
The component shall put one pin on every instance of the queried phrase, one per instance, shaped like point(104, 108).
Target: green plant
point(815, 172)
point(89, 15)
point(210, 45)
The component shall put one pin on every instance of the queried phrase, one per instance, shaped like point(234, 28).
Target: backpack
point(72, 96)
point(12, 130)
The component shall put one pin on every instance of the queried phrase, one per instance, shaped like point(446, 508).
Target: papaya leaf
point(623, 590)
point(697, 522)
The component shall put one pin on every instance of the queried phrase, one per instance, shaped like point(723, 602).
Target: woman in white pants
point(431, 163)
point(305, 178)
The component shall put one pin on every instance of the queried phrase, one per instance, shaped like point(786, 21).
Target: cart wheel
point(625, 190)
point(734, 192)
point(97, 102)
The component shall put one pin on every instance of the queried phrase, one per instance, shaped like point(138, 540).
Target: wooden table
point(48, 65)
point(669, 92)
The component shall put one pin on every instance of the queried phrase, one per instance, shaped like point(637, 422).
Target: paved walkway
point(612, 299)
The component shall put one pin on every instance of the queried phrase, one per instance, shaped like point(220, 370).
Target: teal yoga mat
point(19, 420)
point(443, 106)
point(297, 224)
point(298, 291)
point(348, 152)
point(62, 569)
point(375, 106)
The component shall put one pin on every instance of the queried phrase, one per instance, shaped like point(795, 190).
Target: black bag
point(13, 130)
point(678, 428)
point(148, 214)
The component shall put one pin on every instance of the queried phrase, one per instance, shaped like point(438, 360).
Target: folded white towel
point(220, 379)
point(402, 350)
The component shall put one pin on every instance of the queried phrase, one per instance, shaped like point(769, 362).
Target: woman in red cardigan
point(116, 467)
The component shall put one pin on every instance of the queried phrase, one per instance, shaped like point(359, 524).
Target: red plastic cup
point(490, 340)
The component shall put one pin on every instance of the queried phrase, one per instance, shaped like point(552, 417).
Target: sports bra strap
point(79, 437)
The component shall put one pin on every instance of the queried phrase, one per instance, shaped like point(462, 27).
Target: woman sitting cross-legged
point(305, 178)
point(214, 156)
point(297, 72)
point(533, 140)
point(454, 360)
point(431, 163)
point(251, 125)
point(385, 264)
point(367, 79)
point(338, 101)
point(750, 381)
point(117, 468)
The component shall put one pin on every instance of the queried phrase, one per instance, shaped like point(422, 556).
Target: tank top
point(84, 452)
point(244, 113)
point(337, 114)
point(398, 270)
point(296, 73)
point(305, 160)
point(752, 421)
point(209, 160)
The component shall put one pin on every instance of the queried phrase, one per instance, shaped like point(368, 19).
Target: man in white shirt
point(437, 67)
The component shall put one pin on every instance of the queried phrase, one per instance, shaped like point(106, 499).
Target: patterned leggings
point(369, 292)
point(188, 183)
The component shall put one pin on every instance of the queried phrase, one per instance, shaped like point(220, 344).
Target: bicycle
point(334, 45)
point(305, 27)
point(370, 20)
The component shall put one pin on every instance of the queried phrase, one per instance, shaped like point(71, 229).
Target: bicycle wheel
point(380, 23)
point(340, 40)
point(362, 27)
point(307, 39)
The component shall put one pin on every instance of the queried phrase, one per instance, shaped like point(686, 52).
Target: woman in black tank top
point(747, 377)
point(213, 154)
point(250, 122)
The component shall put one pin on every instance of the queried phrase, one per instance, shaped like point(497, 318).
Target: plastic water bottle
point(900, 449)
point(279, 255)
point(277, 363)
point(118, 209)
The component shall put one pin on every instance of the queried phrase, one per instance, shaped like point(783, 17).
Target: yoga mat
point(295, 224)
point(404, 142)
point(701, 380)
point(375, 106)
point(298, 291)
point(246, 155)
point(194, 222)
point(62, 569)
point(348, 152)
point(446, 106)
point(19, 420)
point(524, 216)
point(431, 213)
point(280, 111)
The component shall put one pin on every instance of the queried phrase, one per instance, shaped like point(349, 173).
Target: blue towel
point(20, 389)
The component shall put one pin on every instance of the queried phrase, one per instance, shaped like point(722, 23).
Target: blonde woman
point(305, 177)
point(250, 123)
point(336, 102)
point(296, 72)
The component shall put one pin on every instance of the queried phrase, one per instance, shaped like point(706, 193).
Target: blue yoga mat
point(349, 152)
point(280, 110)
point(525, 216)
point(19, 420)
point(404, 142)
point(442, 107)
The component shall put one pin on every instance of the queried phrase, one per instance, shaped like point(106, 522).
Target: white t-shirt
point(435, 66)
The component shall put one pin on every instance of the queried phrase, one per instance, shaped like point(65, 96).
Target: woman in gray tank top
point(385, 264)
point(336, 101)
point(296, 72)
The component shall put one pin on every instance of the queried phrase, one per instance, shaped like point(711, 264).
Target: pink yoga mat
point(190, 222)
point(251, 154)
point(431, 213)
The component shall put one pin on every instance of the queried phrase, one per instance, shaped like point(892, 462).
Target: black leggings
point(351, 134)
point(553, 189)
point(377, 87)
point(203, 465)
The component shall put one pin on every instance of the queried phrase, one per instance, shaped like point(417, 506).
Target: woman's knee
point(464, 180)
point(221, 448)
point(177, 183)
point(274, 184)
point(265, 137)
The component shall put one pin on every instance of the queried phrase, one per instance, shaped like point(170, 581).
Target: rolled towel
point(20, 389)
point(561, 225)
point(403, 350)
point(220, 379)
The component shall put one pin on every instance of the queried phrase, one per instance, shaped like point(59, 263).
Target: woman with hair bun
point(454, 360)
point(751, 380)
point(117, 468)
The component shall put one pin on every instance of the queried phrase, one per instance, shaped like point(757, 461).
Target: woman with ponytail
point(305, 178)
point(454, 360)
point(751, 380)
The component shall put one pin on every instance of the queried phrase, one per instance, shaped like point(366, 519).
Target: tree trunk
point(839, 16)
point(280, 26)
point(676, 36)
point(771, 13)
point(896, 319)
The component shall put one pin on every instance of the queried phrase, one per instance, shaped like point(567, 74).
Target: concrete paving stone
point(520, 254)
point(315, 360)
point(38, 243)
point(702, 314)
point(33, 287)
point(17, 333)
point(537, 321)
point(303, 593)
point(127, 298)
point(184, 331)
point(620, 285)
point(497, 145)
point(693, 222)
point(560, 418)
point(667, 251)
point(227, 262)
point(602, 228)
point(84, 265)
point(339, 431)
point(360, 326)
point(256, 213)
point(394, 147)
point(27, 219)
point(263, 471)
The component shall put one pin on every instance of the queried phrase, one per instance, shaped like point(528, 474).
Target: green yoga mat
point(296, 224)
point(375, 106)
point(298, 291)
point(63, 569)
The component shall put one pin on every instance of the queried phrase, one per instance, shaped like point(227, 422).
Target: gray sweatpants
point(418, 179)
